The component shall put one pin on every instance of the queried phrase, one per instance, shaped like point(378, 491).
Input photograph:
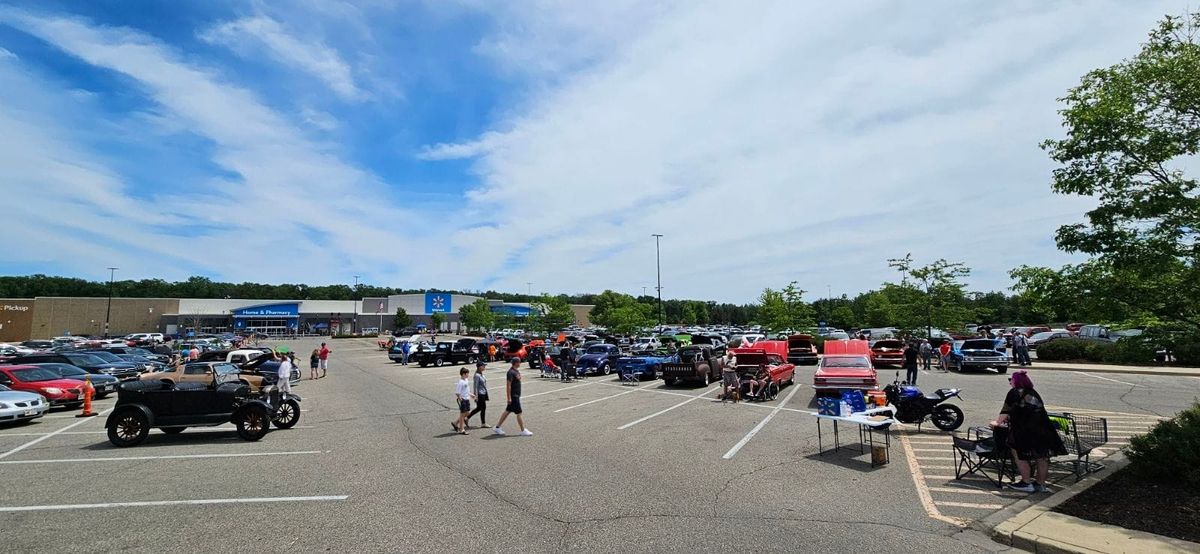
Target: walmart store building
point(45, 317)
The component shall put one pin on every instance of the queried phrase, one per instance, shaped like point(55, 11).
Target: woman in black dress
point(1031, 434)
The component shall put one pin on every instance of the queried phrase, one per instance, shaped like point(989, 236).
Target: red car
point(888, 352)
point(846, 364)
point(771, 353)
point(29, 378)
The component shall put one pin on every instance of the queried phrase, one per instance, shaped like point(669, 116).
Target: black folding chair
point(987, 454)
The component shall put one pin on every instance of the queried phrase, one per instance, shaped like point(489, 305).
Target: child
point(313, 361)
point(462, 394)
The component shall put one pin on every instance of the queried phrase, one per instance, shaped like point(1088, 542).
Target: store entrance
point(269, 326)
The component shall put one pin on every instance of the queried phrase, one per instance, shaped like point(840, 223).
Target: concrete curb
point(1129, 370)
point(1034, 527)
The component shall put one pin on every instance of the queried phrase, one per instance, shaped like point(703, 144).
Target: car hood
point(116, 365)
point(980, 352)
point(645, 359)
point(592, 357)
point(60, 383)
point(18, 396)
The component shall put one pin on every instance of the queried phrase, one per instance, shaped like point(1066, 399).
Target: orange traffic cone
point(88, 392)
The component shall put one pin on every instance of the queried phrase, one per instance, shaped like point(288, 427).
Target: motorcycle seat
point(933, 397)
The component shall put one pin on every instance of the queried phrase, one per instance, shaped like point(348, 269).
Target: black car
point(142, 405)
point(124, 371)
point(38, 344)
point(111, 358)
point(268, 368)
point(122, 350)
point(459, 352)
point(104, 384)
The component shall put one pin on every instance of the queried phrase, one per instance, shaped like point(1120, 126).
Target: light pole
point(354, 305)
point(658, 266)
point(643, 290)
point(112, 271)
point(528, 288)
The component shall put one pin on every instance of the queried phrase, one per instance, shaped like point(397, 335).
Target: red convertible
point(846, 364)
point(31, 378)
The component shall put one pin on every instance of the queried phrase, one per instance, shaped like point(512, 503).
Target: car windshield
point(85, 359)
point(225, 369)
point(1043, 335)
point(644, 340)
point(889, 344)
point(64, 370)
point(32, 374)
point(846, 361)
point(106, 356)
point(598, 349)
point(978, 345)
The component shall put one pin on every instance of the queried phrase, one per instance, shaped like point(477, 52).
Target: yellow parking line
point(969, 505)
point(923, 492)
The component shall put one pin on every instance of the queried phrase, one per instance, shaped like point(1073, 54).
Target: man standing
point(284, 374)
point(1021, 349)
point(944, 350)
point(926, 352)
point(513, 393)
point(910, 363)
point(405, 348)
point(323, 359)
point(567, 356)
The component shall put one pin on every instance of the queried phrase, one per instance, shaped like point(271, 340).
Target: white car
point(15, 350)
point(21, 406)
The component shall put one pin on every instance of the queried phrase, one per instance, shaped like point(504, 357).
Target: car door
point(196, 373)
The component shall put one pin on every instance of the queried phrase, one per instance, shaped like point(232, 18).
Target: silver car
point(21, 406)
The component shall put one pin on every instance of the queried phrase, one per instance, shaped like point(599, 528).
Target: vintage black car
point(142, 405)
point(459, 352)
point(696, 364)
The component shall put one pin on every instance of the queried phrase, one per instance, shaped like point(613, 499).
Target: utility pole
point(658, 266)
point(108, 311)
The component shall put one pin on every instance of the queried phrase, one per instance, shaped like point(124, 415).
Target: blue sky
point(470, 144)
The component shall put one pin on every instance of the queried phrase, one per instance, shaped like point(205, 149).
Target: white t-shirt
point(285, 369)
point(463, 389)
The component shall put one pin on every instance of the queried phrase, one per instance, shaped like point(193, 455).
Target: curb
point(1168, 372)
point(1011, 526)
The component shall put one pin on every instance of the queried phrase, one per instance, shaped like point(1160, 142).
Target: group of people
point(475, 389)
point(732, 384)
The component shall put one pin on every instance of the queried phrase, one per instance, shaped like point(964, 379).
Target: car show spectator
point(926, 352)
point(910, 363)
point(1021, 349)
point(567, 356)
point(313, 361)
point(194, 353)
point(405, 349)
point(944, 356)
point(513, 396)
point(760, 380)
point(729, 378)
point(284, 373)
point(481, 395)
point(1031, 434)
point(491, 352)
point(323, 359)
point(462, 397)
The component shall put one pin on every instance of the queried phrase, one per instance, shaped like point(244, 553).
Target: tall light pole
point(643, 290)
point(354, 305)
point(658, 266)
point(112, 271)
point(528, 288)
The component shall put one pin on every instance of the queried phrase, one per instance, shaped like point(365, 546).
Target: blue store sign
point(438, 303)
point(286, 309)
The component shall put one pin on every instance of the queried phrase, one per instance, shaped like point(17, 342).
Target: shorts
point(323, 364)
point(514, 406)
point(312, 365)
point(729, 379)
point(464, 405)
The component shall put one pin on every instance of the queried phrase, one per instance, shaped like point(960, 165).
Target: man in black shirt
point(910, 364)
point(512, 389)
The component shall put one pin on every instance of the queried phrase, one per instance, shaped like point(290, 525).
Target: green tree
point(437, 319)
point(551, 314)
point(784, 309)
point(1131, 130)
point(401, 319)
point(477, 315)
point(628, 319)
point(939, 299)
point(613, 309)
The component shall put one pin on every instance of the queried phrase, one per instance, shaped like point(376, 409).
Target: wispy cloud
point(304, 53)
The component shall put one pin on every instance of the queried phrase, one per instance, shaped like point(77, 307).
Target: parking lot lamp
point(112, 271)
point(658, 268)
point(354, 303)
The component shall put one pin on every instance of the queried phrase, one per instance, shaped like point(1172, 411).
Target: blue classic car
point(598, 358)
point(647, 366)
point(978, 354)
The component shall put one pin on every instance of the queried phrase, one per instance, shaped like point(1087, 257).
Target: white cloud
point(782, 142)
point(6, 54)
point(305, 53)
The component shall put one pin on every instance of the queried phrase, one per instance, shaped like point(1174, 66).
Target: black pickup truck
point(461, 351)
point(698, 363)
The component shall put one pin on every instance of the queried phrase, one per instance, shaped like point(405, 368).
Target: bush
point(1187, 354)
point(1130, 350)
point(1062, 350)
point(1170, 451)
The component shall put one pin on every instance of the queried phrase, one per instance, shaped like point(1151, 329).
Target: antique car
point(104, 385)
point(173, 407)
point(202, 372)
point(645, 366)
point(978, 354)
point(801, 350)
point(21, 405)
point(750, 360)
point(695, 364)
point(461, 351)
point(846, 364)
point(598, 358)
point(39, 380)
point(887, 352)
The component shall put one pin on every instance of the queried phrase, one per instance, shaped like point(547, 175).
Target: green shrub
point(1133, 350)
point(1100, 352)
point(1062, 350)
point(1170, 451)
point(1187, 354)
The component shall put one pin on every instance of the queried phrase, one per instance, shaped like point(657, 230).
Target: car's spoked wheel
point(253, 423)
point(129, 429)
point(287, 414)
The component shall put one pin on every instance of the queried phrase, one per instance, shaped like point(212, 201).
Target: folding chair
point(987, 452)
point(629, 378)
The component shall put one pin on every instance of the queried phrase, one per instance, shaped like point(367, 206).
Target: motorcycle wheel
point(287, 415)
point(947, 417)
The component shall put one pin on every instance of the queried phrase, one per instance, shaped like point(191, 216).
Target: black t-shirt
point(910, 356)
point(514, 381)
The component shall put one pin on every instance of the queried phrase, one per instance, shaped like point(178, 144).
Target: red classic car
point(801, 350)
point(887, 352)
point(40, 380)
point(750, 359)
point(846, 364)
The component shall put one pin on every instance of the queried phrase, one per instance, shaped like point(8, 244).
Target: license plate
point(79, 396)
point(30, 412)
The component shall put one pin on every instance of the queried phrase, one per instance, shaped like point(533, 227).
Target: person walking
point(1021, 349)
point(314, 360)
point(1031, 435)
point(323, 359)
point(283, 375)
point(491, 352)
point(462, 396)
point(910, 363)
point(481, 396)
point(512, 390)
point(926, 352)
point(944, 356)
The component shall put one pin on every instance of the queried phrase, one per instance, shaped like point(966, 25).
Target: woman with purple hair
point(1031, 434)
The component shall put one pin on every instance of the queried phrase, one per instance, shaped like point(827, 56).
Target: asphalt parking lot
point(374, 466)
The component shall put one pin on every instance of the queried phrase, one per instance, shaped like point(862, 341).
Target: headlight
point(54, 390)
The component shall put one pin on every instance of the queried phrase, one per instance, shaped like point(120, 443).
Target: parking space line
point(661, 412)
point(165, 457)
point(225, 427)
point(1107, 379)
point(969, 505)
point(42, 438)
point(631, 391)
point(923, 493)
point(943, 450)
point(746, 439)
point(155, 503)
point(528, 396)
point(1011, 495)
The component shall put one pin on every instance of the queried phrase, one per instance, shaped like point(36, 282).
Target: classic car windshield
point(978, 345)
point(32, 374)
point(846, 361)
point(225, 369)
point(598, 349)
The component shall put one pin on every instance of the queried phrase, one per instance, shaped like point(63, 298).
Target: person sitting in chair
point(760, 380)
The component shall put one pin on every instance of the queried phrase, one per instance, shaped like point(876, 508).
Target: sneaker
point(498, 431)
point(1021, 486)
point(526, 433)
point(1040, 487)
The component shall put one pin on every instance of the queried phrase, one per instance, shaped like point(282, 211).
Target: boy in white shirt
point(284, 382)
point(462, 394)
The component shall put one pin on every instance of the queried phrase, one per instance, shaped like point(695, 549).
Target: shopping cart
point(1081, 434)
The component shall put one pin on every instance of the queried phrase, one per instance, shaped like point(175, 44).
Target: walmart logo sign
point(438, 302)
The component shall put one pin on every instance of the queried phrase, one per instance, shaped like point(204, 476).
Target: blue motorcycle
point(914, 406)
